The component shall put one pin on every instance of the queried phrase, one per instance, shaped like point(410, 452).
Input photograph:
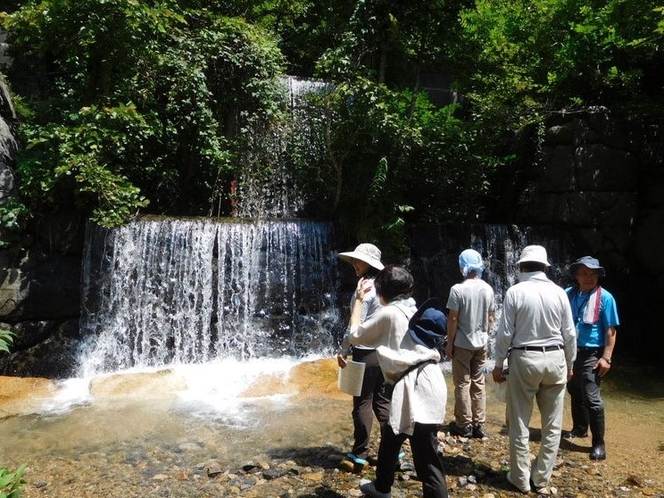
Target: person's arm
point(504, 334)
point(452, 322)
point(568, 333)
point(604, 363)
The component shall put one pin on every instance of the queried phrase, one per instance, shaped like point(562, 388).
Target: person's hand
point(497, 374)
point(602, 366)
point(341, 360)
point(570, 374)
point(363, 286)
point(449, 350)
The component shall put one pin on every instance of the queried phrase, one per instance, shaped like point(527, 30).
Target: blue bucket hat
point(429, 324)
point(589, 262)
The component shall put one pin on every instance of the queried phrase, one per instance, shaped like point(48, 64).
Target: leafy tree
point(523, 59)
point(129, 103)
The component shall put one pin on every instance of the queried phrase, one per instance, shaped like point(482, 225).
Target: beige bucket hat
point(534, 254)
point(368, 253)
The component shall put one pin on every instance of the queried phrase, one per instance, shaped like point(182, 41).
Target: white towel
point(591, 313)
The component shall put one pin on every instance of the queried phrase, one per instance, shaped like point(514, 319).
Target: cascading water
point(269, 184)
point(170, 292)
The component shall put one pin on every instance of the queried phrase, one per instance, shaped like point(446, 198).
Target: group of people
point(548, 338)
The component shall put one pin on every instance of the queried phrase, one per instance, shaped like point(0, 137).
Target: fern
point(6, 338)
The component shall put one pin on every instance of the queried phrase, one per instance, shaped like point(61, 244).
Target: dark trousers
point(373, 399)
point(426, 458)
point(584, 388)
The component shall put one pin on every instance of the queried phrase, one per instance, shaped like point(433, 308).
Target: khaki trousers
point(469, 387)
point(541, 377)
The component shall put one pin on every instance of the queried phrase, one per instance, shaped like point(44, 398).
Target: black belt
point(541, 349)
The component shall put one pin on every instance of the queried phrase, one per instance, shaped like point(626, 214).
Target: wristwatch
point(608, 360)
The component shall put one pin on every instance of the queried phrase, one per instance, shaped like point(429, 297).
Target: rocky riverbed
point(301, 457)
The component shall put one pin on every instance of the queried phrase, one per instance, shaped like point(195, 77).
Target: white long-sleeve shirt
point(421, 395)
point(536, 312)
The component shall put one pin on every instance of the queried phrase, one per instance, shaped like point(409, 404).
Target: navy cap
point(429, 324)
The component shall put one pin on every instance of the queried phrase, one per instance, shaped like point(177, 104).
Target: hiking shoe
point(369, 489)
point(478, 431)
point(455, 430)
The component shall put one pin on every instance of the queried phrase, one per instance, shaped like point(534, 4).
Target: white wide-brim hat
point(533, 254)
point(368, 253)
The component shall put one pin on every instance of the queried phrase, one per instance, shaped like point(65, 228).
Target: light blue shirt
point(592, 335)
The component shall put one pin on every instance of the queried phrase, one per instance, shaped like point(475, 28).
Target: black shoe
point(598, 452)
point(455, 430)
point(574, 433)
point(478, 431)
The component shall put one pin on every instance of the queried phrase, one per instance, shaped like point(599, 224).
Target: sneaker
point(478, 431)
point(369, 489)
point(356, 459)
point(353, 464)
point(455, 430)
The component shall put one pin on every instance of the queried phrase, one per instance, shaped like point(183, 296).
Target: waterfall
point(8, 145)
point(269, 184)
point(170, 291)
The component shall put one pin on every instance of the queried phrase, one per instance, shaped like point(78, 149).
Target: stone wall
point(40, 299)
point(603, 180)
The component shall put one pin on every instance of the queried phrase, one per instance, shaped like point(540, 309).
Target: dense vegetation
point(133, 106)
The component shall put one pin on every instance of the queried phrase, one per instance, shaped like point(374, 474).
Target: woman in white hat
point(373, 399)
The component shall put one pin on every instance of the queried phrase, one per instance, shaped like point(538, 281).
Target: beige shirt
point(421, 396)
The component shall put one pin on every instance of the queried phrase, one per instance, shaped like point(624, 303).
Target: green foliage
point(135, 105)
point(523, 59)
point(393, 158)
point(13, 215)
point(6, 338)
point(387, 40)
point(11, 482)
point(132, 106)
point(81, 163)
